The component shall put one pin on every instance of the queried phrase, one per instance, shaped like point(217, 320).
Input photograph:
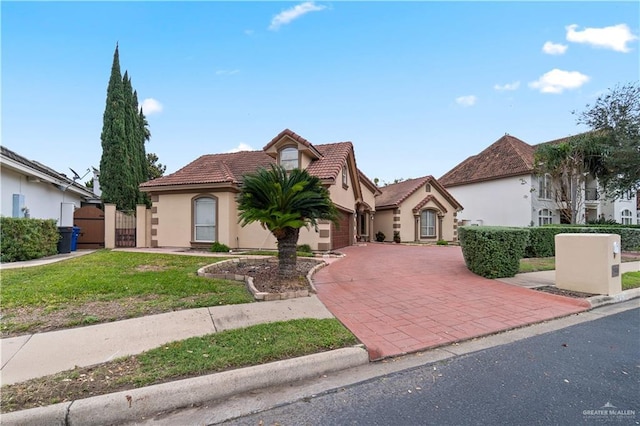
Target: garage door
point(341, 235)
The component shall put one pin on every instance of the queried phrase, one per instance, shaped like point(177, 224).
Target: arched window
point(427, 224)
point(204, 219)
point(289, 158)
point(545, 217)
point(626, 217)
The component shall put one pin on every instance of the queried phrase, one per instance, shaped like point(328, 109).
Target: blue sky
point(416, 86)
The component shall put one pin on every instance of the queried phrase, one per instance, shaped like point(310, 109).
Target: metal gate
point(90, 220)
point(125, 228)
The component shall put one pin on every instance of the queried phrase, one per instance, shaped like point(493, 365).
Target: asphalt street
point(584, 374)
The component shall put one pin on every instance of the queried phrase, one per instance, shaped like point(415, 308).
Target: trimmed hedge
point(26, 239)
point(542, 239)
point(493, 252)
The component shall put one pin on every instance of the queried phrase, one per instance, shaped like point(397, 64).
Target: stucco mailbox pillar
point(589, 263)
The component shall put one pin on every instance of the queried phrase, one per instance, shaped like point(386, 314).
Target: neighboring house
point(420, 209)
point(196, 205)
point(499, 187)
point(31, 189)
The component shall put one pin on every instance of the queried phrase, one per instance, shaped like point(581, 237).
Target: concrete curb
point(137, 404)
point(596, 301)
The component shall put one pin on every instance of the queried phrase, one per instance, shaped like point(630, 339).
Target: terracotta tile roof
point(333, 158)
point(508, 156)
point(293, 135)
point(215, 168)
point(230, 167)
point(392, 196)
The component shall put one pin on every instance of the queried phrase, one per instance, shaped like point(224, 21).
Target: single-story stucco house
point(31, 189)
point(420, 209)
point(196, 205)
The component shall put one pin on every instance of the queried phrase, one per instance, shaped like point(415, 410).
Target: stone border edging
point(248, 280)
point(136, 404)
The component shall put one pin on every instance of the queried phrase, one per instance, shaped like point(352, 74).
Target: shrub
point(442, 243)
point(396, 236)
point(542, 239)
point(217, 247)
point(493, 252)
point(26, 239)
point(304, 248)
point(380, 237)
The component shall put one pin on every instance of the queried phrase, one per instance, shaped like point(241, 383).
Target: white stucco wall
point(501, 202)
point(42, 199)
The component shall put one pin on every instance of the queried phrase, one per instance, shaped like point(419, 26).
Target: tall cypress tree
point(115, 175)
point(123, 166)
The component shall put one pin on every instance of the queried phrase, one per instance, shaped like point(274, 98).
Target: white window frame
point(428, 230)
point(626, 217)
point(345, 176)
point(200, 223)
point(289, 158)
point(544, 187)
point(545, 217)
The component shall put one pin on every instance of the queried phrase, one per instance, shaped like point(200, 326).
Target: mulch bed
point(561, 292)
point(265, 274)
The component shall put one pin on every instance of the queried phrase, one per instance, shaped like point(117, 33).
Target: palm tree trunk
point(287, 257)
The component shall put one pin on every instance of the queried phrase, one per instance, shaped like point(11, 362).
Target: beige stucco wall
point(342, 197)
point(585, 262)
point(383, 222)
point(171, 220)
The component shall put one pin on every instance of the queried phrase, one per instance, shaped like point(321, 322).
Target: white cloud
point(287, 16)
point(151, 106)
point(466, 101)
point(508, 86)
point(557, 81)
point(242, 147)
point(614, 37)
point(554, 48)
point(248, 32)
point(227, 72)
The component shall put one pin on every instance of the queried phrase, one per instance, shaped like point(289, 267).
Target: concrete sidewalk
point(41, 354)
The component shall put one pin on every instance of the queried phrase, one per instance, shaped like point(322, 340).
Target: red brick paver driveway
point(398, 299)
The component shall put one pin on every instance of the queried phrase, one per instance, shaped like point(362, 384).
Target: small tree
point(283, 202)
point(568, 164)
point(615, 123)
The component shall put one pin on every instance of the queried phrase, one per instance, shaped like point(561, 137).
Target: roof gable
point(286, 137)
point(392, 196)
point(508, 156)
point(426, 200)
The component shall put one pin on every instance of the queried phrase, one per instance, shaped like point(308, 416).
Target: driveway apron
point(398, 299)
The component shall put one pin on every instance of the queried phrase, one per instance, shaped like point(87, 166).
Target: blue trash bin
point(74, 238)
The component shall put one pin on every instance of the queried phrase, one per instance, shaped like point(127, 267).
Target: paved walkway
point(35, 355)
point(398, 299)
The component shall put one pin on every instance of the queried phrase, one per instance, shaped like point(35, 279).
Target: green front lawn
point(106, 286)
point(630, 280)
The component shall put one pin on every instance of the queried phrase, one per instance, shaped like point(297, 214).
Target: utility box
point(66, 214)
point(589, 263)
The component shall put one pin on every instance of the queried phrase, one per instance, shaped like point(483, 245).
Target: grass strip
point(630, 280)
point(192, 357)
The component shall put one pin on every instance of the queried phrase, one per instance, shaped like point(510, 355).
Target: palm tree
point(283, 202)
